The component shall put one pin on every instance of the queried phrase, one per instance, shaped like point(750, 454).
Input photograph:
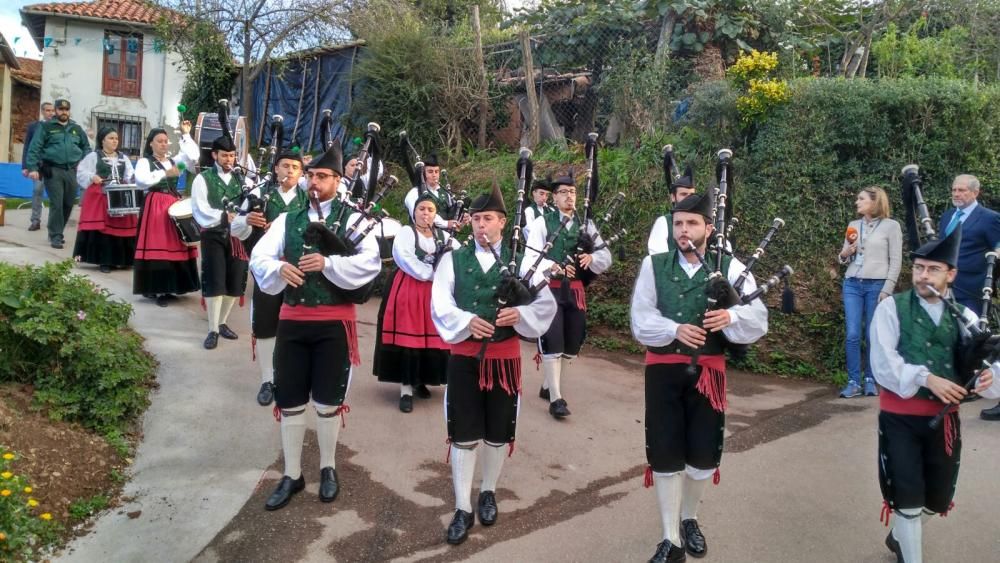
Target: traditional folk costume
point(533, 211)
point(564, 338)
point(223, 258)
point(317, 339)
point(265, 308)
point(661, 238)
point(164, 265)
point(685, 413)
point(482, 397)
point(102, 239)
point(409, 350)
point(918, 465)
point(444, 201)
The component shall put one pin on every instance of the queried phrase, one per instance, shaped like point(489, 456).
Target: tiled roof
point(136, 11)
point(31, 69)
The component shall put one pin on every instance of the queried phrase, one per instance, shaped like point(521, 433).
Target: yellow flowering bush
point(23, 534)
point(751, 66)
point(751, 74)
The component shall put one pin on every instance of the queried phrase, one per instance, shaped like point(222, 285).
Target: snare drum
point(124, 199)
point(183, 217)
point(385, 233)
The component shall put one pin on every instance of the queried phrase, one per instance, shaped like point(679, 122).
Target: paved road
point(798, 477)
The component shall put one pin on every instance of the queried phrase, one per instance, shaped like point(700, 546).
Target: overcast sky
point(10, 25)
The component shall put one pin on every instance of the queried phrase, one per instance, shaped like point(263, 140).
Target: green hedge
point(65, 336)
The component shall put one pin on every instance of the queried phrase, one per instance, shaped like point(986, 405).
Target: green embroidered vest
point(104, 169)
point(682, 299)
point(565, 243)
point(317, 289)
point(475, 290)
point(167, 184)
point(276, 204)
point(420, 252)
point(921, 342)
point(217, 189)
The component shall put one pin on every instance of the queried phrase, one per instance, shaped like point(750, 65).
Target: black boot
point(212, 340)
point(406, 403)
point(284, 492)
point(667, 552)
point(558, 408)
point(990, 414)
point(693, 539)
point(487, 508)
point(458, 530)
point(266, 394)
point(328, 485)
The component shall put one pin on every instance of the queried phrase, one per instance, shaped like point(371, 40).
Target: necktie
point(955, 220)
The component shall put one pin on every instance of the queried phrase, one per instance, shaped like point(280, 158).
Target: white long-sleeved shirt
point(146, 176)
point(404, 252)
point(347, 272)
point(660, 236)
point(536, 240)
point(204, 214)
point(651, 328)
point(452, 323)
point(888, 366)
point(411, 200)
point(87, 169)
point(242, 230)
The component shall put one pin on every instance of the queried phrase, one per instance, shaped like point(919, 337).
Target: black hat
point(223, 143)
point(432, 160)
point(62, 103)
point(700, 204)
point(288, 155)
point(566, 179)
point(426, 195)
point(542, 184)
point(685, 181)
point(942, 250)
point(492, 201)
point(102, 133)
point(332, 159)
point(147, 147)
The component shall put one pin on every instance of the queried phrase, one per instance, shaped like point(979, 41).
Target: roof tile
point(137, 11)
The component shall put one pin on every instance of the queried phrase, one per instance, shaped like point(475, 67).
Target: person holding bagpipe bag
point(323, 273)
point(479, 306)
point(686, 315)
point(928, 354)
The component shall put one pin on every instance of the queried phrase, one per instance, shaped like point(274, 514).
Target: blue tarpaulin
point(299, 89)
point(12, 183)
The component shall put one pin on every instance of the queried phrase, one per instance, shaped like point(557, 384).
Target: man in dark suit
point(48, 111)
point(980, 234)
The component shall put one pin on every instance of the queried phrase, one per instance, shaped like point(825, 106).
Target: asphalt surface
point(799, 480)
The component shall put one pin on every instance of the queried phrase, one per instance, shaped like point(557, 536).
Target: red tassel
point(510, 448)
point(447, 456)
point(885, 514)
point(581, 298)
point(506, 372)
point(342, 412)
point(712, 384)
point(538, 360)
point(647, 477)
point(716, 477)
point(277, 413)
point(253, 347)
point(243, 299)
point(950, 506)
point(203, 307)
point(950, 433)
point(237, 249)
point(351, 330)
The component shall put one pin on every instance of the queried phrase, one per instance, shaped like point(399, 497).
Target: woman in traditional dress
point(164, 265)
point(103, 239)
point(408, 350)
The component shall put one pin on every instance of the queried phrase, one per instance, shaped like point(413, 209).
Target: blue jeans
point(860, 299)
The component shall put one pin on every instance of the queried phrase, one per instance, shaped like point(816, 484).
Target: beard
point(63, 118)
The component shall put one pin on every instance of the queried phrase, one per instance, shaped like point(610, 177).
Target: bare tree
point(257, 30)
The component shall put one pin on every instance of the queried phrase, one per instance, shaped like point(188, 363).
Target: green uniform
point(55, 151)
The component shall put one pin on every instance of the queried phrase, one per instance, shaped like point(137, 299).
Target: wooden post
point(529, 87)
point(484, 87)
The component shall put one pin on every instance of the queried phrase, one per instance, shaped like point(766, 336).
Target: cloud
point(10, 26)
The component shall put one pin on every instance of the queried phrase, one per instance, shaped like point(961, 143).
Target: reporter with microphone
point(873, 253)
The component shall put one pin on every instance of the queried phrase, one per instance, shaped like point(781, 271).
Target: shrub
point(66, 337)
point(25, 531)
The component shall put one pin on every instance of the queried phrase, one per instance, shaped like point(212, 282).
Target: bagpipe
point(413, 163)
point(919, 226)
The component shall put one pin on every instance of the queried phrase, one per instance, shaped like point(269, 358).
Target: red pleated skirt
point(158, 237)
point(407, 321)
point(94, 215)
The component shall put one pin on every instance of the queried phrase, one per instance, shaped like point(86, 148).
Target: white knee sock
point(265, 359)
point(227, 307)
point(213, 306)
point(463, 469)
point(553, 369)
point(907, 529)
point(493, 457)
point(695, 481)
point(405, 390)
point(669, 492)
point(293, 432)
point(327, 431)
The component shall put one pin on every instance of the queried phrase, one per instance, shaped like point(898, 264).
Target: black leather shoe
point(543, 393)
point(694, 540)
point(283, 493)
point(105, 269)
point(266, 394)
point(893, 546)
point(458, 530)
point(227, 333)
point(667, 552)
point(423, 392)
point(558, 408)
point(162, 300)
point(990, 414)
point(211, 341)
point(57, 245)
point(328, 485)
point(34, 226)
point(406, 403)
point(487, 508)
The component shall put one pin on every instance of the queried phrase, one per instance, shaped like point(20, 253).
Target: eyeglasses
point(321, 176)
point(932, 270)
point(566, 192)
